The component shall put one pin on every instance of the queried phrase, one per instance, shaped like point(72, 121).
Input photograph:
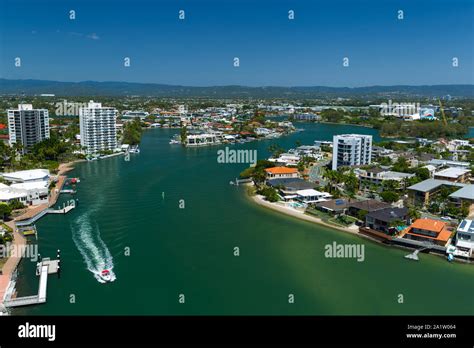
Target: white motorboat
point(106, 276)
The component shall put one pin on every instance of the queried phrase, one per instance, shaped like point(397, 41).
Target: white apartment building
point(27, 126)
point(98, 129)
point(351, 150)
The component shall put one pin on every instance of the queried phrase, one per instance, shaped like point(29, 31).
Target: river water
point(167, 222)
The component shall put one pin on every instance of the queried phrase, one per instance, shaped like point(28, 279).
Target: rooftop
point(467, 192)
point(291, 183)
point(281, 170)
point(439, 227)
point(452, 172)
point(335, 204)
point(370, 205)
point(7, 193)
point(27, 175)
point(430, 184)
point(429, 225)
point(389, 214)
point(310, 193)
point(30, 185)
point(439, 162)
point(466, 226)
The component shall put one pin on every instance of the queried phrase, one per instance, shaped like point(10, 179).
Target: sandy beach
point(301, 215)
point(68, 166)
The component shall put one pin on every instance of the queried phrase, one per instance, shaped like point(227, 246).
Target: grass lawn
point(348, 220)
point(345, 221)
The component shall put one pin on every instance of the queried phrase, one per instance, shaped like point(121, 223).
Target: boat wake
point(94, 251)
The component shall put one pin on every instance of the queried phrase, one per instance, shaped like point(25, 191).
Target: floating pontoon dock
point(43, 269)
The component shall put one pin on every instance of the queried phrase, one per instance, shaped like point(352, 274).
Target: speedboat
point(105, 275)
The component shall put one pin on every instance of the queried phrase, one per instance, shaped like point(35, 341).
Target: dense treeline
point(132, 132)
point(422, 129)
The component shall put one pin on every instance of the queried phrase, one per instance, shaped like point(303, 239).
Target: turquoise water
point(190, 250)
point(470, 133)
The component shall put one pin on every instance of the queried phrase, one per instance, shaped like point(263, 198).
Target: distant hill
point(91, 88)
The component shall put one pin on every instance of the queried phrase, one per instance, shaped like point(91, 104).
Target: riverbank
point(354, 230)
point(299, 214)
point(347, 124)
point(19, 240)
point(13, 261)
point(63, 168)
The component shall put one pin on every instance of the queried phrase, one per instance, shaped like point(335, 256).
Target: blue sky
point(272, 49)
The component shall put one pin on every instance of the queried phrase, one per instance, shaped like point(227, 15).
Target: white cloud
point(93, 36)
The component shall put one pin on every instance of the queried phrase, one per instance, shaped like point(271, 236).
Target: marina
point(43, 269)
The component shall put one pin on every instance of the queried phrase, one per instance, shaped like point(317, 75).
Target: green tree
point(401, 165)
point(183, 134)
point(351, 183)
point(385, 161)
point(269, 193)
point(422, 173)
point(5, 210)
point(361, 214)
point(390, 196)
point(414, 213)
point(132, 132)
point(390, 185)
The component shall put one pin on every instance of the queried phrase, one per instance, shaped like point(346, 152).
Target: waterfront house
point(9, 195)
point(310, 196)
point(336, 206)
point(368, 205)
point(428, 231)
point(202, 139)
point(383, 220)
point(286, 159)
point(32, 175)
point(308, 150)
point(465, 236)
point(281, 172)
point(28, 193)
point(262, 131)
point(287, 187)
